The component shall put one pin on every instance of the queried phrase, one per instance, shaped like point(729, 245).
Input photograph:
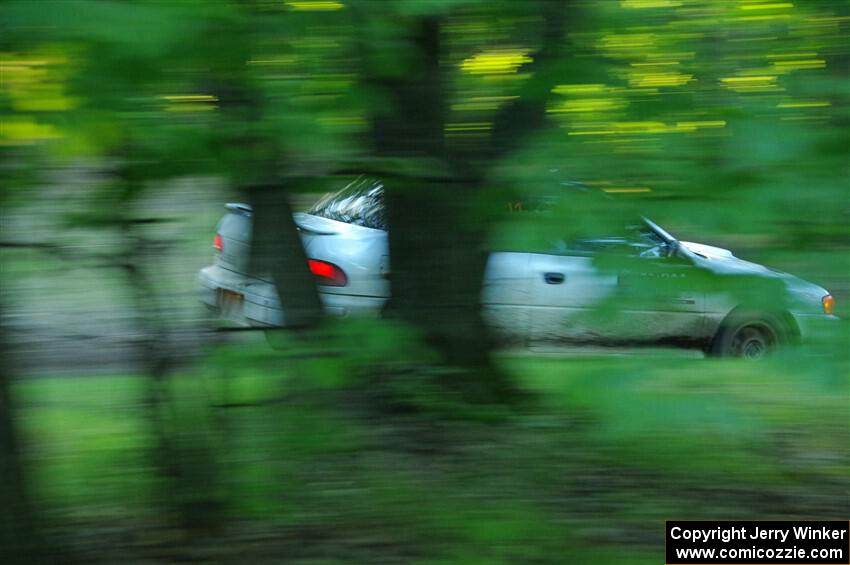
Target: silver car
point(659, 290)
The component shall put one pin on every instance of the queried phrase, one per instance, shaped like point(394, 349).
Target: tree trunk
point(436, 247)
point(19, 539)
point(526, 114)
point(276, 249)
point(437, 244)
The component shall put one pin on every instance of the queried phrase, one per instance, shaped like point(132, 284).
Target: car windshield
point(360, 203)
point(659, 231)
point(634, 240)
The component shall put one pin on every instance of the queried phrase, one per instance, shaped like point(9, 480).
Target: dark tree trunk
point(276, 249)
point(527, 113)
point(258, 165)
point(20, 535)
point(436, 246)
point(19, 539)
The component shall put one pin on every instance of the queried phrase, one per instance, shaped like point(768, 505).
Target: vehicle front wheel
point(749, 337)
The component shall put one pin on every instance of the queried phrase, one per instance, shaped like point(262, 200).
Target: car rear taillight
point(218, 243)
point(828, 303)
point(327, 274)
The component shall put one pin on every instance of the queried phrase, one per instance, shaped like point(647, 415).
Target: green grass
point(607, 448)
point(89, 444)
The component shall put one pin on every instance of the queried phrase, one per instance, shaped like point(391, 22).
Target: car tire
point(749, 336)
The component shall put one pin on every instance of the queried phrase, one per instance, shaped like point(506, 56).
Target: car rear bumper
point(261, 307)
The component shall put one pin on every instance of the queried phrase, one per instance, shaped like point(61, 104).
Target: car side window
point(638, 243)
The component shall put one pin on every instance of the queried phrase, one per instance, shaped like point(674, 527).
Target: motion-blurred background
point(135, 428)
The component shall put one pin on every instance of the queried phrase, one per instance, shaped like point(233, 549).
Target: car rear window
point(360, 203)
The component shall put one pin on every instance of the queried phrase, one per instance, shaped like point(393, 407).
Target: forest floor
point(303, 461)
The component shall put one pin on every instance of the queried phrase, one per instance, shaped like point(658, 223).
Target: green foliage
point(701, 423)
point(726, 118)
point(90, 447)
point(612, 447)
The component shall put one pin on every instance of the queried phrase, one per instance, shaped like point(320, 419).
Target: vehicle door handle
point(554, 278)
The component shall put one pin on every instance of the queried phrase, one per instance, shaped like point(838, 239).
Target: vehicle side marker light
point(828, 304)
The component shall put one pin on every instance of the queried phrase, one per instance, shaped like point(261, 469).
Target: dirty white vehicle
point(661, 291)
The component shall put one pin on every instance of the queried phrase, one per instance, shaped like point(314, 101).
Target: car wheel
point(749, 337)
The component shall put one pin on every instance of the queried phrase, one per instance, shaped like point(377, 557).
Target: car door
point(660, 299)
point(605, 291)
point(506, 296)
point(567, 290)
